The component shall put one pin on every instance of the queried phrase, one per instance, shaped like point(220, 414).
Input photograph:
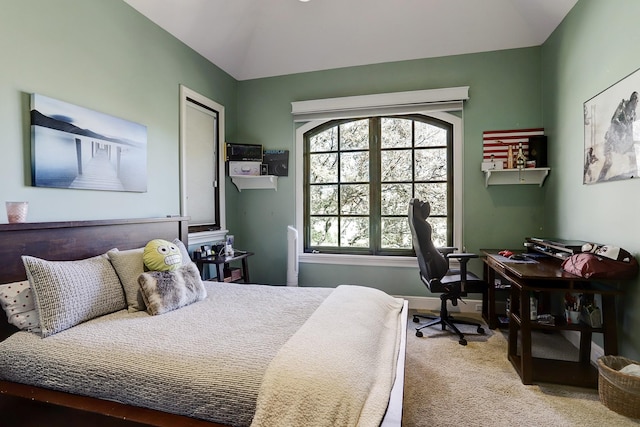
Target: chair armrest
point(462, 257)
point(446, 250)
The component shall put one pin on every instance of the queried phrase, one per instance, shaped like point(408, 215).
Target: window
point(360, 174)
point(440, 107)
point(202, 192)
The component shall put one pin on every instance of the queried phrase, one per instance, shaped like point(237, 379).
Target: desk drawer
point(496, 266)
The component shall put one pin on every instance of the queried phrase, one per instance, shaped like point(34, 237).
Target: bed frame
point(59, 241)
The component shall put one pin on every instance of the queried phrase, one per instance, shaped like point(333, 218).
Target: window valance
point(430, 100)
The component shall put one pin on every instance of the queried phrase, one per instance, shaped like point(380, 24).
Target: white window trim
point(186, 93)
point(428, 109)
point(417, 101)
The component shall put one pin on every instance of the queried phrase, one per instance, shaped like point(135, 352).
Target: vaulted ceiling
point(262, 38)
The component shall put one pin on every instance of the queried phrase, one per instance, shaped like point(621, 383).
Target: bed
point(265, 377)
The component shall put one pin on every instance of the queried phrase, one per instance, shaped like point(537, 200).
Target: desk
point(546, 276)
point(222, 261)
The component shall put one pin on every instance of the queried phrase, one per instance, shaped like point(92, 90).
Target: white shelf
point(261, 182)
point(534, 176)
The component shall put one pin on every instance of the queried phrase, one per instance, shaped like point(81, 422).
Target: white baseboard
point(433, 303)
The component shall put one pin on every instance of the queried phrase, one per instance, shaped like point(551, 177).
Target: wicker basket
point(618, 391)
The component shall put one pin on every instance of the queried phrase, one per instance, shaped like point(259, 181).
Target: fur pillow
point(165, 291)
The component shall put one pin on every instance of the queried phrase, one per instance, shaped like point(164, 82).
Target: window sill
point(363, 260)
point(203, 237)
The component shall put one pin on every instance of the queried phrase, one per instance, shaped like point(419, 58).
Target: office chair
point(436, 274)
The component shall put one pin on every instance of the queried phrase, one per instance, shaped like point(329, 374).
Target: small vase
point(17, 211)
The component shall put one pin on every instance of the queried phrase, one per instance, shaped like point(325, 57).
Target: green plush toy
point(161, 255)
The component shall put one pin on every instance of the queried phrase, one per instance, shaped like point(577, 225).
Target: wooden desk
point(222, 261)
point(545, 276)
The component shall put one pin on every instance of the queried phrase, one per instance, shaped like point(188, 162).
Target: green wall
point(102, 55)
point(107, 57)
point(595, 47)
point(505, 93)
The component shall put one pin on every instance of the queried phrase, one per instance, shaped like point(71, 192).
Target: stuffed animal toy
point(608, 251)
point(161, 255)
point(614, 253)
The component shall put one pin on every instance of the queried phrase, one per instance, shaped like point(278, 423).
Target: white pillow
point(17, 301)
point(71, 292)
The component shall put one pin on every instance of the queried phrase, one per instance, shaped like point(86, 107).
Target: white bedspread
point(217, 358)
point(339, 368)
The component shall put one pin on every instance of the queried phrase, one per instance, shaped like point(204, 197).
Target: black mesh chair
point(436, 274)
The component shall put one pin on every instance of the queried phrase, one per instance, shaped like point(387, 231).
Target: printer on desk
point(557, 248)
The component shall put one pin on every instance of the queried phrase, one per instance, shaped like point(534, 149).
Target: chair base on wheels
point(446, 321)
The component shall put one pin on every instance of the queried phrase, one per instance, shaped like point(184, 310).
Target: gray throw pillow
point(165, 291)
point(183, 251)
point(129, 266)
point(71, 292)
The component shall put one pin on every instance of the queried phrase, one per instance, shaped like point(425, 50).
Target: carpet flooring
point(447, 384)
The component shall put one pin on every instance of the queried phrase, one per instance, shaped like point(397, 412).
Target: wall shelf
point(261, 182)
point(516, 176)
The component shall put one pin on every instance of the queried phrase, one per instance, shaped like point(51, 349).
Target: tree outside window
point(360, 175)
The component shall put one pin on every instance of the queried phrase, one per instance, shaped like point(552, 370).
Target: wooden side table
point(222, 262)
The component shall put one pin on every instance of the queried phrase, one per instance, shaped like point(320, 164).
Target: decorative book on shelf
point(277, 162)
point(496, 143)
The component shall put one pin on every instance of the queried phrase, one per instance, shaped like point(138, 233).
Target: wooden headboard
point(73, 240)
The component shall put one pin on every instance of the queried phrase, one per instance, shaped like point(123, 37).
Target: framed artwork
point(74, 147)
point(277, 162)
point(612, 133)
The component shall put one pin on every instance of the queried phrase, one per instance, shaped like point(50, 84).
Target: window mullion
point(307, 186)
point(339, 213)
point(413, 158)
point(375, 185)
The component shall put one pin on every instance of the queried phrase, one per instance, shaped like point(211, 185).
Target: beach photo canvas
point(78, 148)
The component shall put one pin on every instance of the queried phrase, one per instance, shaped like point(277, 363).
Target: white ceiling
point(262, 38)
